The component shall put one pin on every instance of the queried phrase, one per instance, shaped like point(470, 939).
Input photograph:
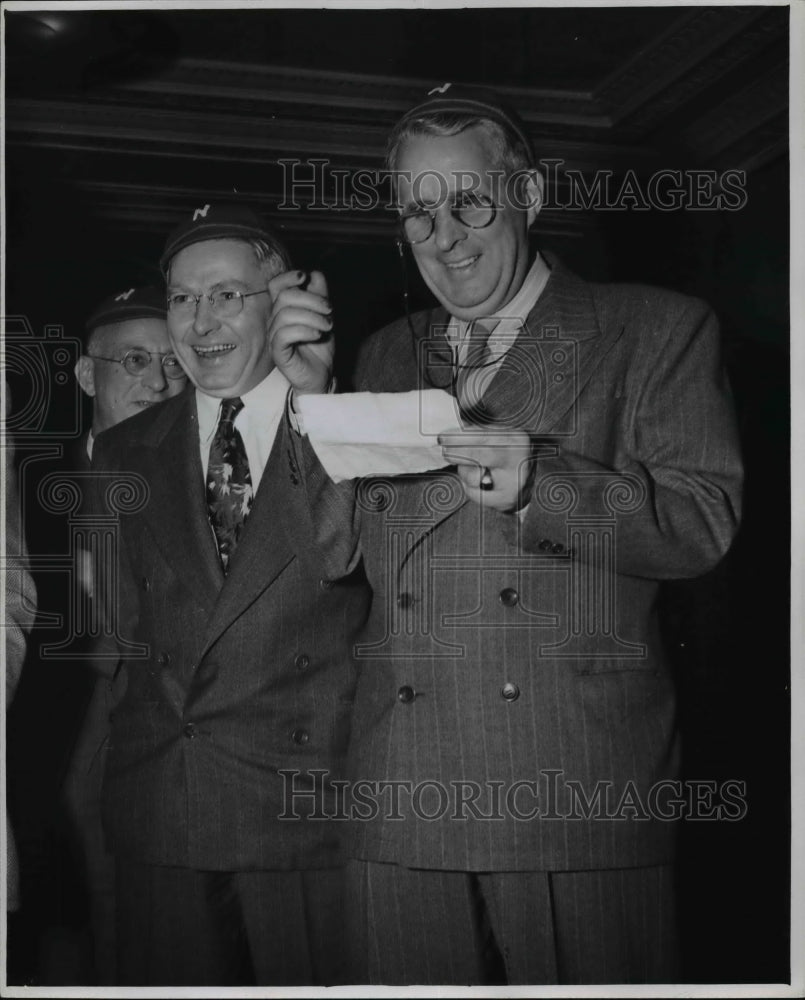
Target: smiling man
point(245, 668)
point(515, 713)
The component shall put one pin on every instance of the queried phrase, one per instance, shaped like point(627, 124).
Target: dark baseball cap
point(224, 221)
point(465, 99)
point(131, 303)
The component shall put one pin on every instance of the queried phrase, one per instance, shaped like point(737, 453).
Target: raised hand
point(300, 334)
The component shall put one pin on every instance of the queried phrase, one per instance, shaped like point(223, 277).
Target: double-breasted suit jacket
point(512, 678)
point(237, 679)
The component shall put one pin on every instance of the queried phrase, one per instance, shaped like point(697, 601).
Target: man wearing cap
point(245, 668)
point(513, 738)
point(128, 365)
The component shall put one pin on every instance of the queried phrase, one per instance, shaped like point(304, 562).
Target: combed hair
point(510, 155)
point(273, 254)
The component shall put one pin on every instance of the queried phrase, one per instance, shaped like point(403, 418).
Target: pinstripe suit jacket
point(508, 658)
point(240, 677)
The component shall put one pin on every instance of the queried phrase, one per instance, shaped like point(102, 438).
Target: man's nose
point(447, 230)
point(205, 319)
point(154, 377)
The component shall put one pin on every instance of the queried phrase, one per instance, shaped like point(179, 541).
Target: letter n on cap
point(123, 297)
point(201, 213)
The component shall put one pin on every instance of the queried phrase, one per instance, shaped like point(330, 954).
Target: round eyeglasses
point(224, 302)
point(137, 361)
point(475, 211)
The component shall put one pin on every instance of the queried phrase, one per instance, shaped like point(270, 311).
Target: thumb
point(317, 284)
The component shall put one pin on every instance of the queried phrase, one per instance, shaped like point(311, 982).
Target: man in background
point(127, 366)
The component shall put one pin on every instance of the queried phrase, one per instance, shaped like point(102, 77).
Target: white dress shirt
point(257, 422)
point(508, 323)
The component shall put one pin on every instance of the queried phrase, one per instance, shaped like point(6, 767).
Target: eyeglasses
point(475, 211)
point(225, 302)
point(137, 361)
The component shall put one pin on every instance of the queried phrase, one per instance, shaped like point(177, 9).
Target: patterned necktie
point(475, 372)
point(229, 482)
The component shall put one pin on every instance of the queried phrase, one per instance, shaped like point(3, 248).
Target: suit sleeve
point(675, 489)
point(331, 508)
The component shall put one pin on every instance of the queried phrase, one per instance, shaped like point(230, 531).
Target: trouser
point(182, 927)
point(412, 926)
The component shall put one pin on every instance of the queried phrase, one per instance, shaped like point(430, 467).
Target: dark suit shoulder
point(383, 351)
point(389, 340)
point(146, 428)
point(647, 302)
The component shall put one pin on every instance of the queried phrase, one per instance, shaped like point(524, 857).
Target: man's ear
point(85, 374)
point(533, 193)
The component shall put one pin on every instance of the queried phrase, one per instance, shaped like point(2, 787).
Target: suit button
point(302, 662)
point(509, 692)
point(326, 584)
point(190, 730)
point(406, 694)
point(509, 597)
point(146, 583)
point(545, 545)
point(164, 659)
point(558, 549)
point(300, 737)
point(405, 600)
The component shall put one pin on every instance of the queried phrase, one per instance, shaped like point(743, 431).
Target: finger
point(465, 439)
point(491, 457)
point(460, 459)
point(317, 284)
point(286, 279)
point(297, 298)
point(471, 477)
point(296, 316)
point(295, 337)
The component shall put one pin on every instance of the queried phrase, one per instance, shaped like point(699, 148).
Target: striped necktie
point(229, 482)
point(476, 371)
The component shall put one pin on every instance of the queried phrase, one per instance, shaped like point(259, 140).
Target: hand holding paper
point(372, 434)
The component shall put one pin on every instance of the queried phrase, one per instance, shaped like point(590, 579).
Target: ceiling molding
point(683, 60)
point(381, 98)
point(144, 131)
point(710, 91)
point(742, 112)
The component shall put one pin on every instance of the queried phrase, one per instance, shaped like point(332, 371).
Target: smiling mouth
point(462, 265)
point(215, 351)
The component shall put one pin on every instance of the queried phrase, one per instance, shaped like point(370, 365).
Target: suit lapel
point(265, 547)
point(177, 512)
point(553, 358)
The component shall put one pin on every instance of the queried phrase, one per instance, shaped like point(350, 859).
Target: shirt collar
point(516, 310)
point(266, 397)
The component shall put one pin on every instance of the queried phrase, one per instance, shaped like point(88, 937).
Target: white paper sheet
point(378, 433)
